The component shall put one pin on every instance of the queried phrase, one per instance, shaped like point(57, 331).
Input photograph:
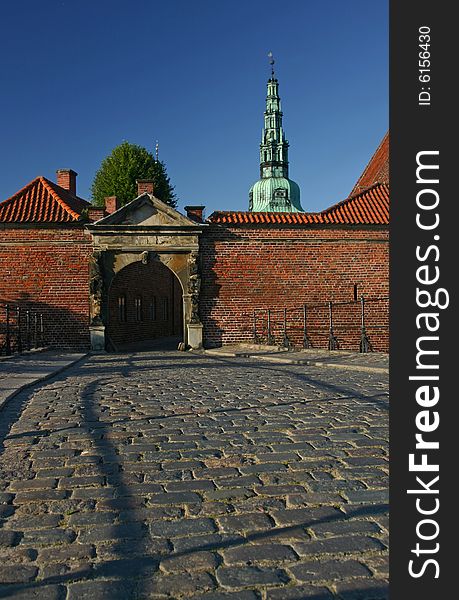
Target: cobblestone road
point(188, 476)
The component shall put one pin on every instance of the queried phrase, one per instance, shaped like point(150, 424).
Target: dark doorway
point(145, 308)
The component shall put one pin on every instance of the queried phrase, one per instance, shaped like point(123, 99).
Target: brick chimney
point(112, 203)
point(95, 213)
point(66, 178)
point(144, 185)
point(195, 213)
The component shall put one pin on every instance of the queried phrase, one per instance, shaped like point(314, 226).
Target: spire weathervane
point(271, 62)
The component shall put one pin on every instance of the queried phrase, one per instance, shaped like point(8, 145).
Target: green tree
point(118, 173)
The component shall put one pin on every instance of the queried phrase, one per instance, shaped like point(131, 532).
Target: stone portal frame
point(176, 245)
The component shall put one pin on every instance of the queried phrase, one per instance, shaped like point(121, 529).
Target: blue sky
point(79, 77)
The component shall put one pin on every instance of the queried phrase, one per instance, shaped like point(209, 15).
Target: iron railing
point(324, 325)
point(20, 329)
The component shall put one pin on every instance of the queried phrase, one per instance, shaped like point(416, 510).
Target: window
point(356, 292)
point(165, 309)
point(152, 309)
point(138, 308)
point(122, 309)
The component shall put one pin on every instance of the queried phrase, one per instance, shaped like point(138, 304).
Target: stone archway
point(145, 231)
point(144, 303)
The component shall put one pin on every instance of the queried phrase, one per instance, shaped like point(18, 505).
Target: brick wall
point(243, 267)
point(46, 269)
point(246, 267)
point(152, 297)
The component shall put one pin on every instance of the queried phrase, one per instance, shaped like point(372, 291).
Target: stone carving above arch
point(194, 286)
point(96, 288)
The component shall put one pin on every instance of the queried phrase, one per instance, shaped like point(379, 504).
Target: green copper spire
point(274, 191)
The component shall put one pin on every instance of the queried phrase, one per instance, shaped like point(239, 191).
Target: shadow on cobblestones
point(110, 468)
point(109, 428)
point(217, 362)
point(10, 413)
point(131, 570)
point(14, 409)
point(45, 432)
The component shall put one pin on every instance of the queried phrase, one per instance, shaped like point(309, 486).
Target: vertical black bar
point(42, 331)
point(332, 341)
point(28, 329)
point(305, 327)
point(306, 342)
point(172, 302)
point(8, 332)
point(423, 261)
point(286, 341)
point(19, 336)
point(35, 330)
point(270, 340)
point(365, 345)
point(254, 326)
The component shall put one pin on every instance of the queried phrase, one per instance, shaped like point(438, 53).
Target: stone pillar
point(194, 325)
point(97, 335)
point(96, 289)
point(195, 335)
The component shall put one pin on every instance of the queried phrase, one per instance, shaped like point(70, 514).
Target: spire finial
point(271, 62)
point(157, 151)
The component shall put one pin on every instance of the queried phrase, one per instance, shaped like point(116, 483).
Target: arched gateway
point(145, 303)
point(145, 275)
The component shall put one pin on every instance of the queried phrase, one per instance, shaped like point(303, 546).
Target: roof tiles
point(42, 201)
point(370, 207)
point(377, 169)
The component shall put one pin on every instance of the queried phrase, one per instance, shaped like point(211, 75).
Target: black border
point(415, 128)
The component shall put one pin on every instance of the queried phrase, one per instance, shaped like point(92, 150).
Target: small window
point(165, 309)
point(122, 309)
point(356, 285)
point(138, 308)
point(152, 309)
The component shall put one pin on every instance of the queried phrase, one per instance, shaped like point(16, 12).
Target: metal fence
point(333, 325)
point(20, 329)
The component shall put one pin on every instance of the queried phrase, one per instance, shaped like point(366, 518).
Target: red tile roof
point(42, 201)
point(377, 170)
point(370, 207)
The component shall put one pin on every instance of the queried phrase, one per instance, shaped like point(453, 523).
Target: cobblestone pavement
point(173, 475)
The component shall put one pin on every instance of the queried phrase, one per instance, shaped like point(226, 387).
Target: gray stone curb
point(276, 358)
point(6, 394)
point(351, 367)
point(313, 363)
point(30, 352)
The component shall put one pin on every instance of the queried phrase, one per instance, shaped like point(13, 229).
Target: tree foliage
point(118, 173)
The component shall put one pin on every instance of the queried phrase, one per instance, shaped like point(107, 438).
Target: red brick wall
point(155, 284)
point(46, 269)
point(243, 268)
point(247, 267)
